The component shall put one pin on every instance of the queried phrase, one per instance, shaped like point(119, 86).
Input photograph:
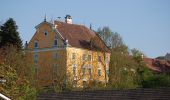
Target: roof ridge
point(70, 24)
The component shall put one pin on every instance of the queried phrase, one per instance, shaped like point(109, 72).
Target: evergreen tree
point(9, 34)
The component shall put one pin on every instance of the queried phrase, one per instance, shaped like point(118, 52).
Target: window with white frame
point(90, 72)
point(99, 72)
point(99, 59)
point(35, 58)
point(84, 57)
point(89, 57)
point(73, 56)
point(35, 44)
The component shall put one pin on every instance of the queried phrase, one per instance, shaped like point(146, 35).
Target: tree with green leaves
point(16, 68)
point(9, 34)
point(122, 69)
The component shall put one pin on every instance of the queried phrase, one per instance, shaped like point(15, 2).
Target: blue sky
point(143, 24)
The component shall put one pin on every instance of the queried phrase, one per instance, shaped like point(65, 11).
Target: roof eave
point(43, 23)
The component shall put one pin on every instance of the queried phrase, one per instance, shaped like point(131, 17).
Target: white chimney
point(68, 19)
point(142, 56)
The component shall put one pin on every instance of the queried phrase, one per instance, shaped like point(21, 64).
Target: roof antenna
point(51, 21)
point(45, 18)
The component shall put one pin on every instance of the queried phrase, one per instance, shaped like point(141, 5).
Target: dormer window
point(36, 44)
point(45, 32)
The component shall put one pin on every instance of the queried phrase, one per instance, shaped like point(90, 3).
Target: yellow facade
point(62, 62)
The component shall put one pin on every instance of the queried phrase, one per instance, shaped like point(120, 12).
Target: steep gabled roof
point(43, 23)
point(80, 36)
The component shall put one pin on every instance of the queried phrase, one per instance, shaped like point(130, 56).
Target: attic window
point(55, 42)
point(36, 44)
point(45, 33)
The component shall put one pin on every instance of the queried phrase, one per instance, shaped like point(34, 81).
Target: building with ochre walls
point(69, 53)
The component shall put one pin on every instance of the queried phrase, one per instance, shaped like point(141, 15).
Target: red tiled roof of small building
point(80, 36)
point(157, 65)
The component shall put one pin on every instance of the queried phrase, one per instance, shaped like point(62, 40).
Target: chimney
point(26, 45)
point(68, 19)
point(142, 56)
point(90, 26)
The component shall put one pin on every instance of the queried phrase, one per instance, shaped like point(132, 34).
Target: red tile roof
point(80, 36)
point(157, 65)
